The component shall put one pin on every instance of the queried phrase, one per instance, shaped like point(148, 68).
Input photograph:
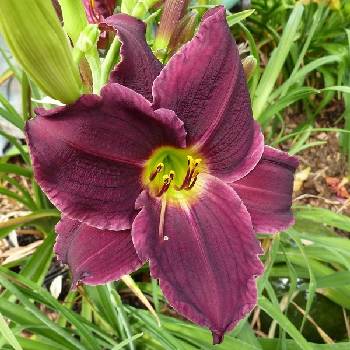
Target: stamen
point(194, 179)
point(191, 174)
point(159, 168)
point(166, 182)
point(194, 165)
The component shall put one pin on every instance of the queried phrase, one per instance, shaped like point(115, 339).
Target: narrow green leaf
point(276, 61)
point(44, 297)
point(32, 308)
point(8, 335)
point(323, 216)
point(23, 150)
point(125, 342)
point(40, 214)
point(276, 314)
point(102, 298)
point(238, 17)
point(39, 263)
point(300, 75)
point(281, 104)
point(10, 114)
point(344, 89)
point(273, 344)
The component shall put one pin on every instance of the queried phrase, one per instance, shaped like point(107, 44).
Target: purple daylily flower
point(167, 165)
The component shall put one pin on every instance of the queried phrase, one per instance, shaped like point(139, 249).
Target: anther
point(189, 160)
point(166, 179)
point(197, 162)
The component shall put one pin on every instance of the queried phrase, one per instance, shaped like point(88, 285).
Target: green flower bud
point(74, 18)
point(249, 65)
point(127, 6)
point(88, 38)
point(35, 36)
point(139, 8)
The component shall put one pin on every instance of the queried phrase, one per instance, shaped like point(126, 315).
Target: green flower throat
point(173, 172)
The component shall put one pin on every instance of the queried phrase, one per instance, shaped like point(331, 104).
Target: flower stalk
point(86, 46)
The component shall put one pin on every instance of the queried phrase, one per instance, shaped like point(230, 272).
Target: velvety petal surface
point(208, 261)
point(205, 85)
point(88, 156)
point(95, 256)
point(267, 191)
point(138, 67)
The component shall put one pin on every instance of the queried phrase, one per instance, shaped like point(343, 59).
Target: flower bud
point(249, 65)
point(34, 34)
point(74, 18)
point(127, 6)
point(183, 32)
point(88, 38)
point(137, 8)
point(173, 11)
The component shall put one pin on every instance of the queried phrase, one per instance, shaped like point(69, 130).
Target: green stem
point(110, 60)
point(26, 97)
point(95, 65)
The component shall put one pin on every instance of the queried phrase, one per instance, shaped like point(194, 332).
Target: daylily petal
point(95, 256)
point(205, 85)
point(208, 261)
point(223, 160)
point(88, 156)
point(267, 191)
point(138, 67)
